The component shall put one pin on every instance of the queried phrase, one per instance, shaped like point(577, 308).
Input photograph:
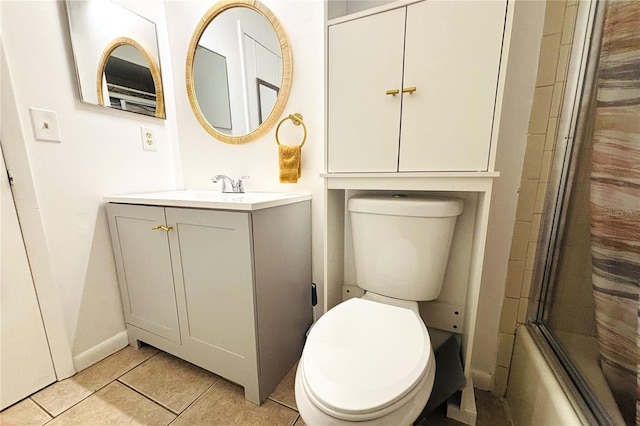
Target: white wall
point(519, 87)
point(203, 156)
point(100, 153)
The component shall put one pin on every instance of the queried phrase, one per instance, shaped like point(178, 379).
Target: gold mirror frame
point(287, 70)
point(155, 71)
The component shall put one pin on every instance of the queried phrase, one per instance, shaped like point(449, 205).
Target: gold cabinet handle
point(409, 90)
point(164, 228)
point(393, 92)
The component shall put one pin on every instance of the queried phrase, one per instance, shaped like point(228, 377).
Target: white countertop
point(248, 201)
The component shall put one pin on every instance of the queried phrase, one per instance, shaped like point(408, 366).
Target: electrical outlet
point(45, 125)
point(148, 139)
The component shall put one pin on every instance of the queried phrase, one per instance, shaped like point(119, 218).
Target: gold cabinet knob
point(164, 228)
point(393, 92)
point(409, 90)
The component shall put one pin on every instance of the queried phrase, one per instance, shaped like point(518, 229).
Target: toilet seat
point(362, 357)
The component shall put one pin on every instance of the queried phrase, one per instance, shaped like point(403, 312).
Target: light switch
point(45, 125)
point(148, 139)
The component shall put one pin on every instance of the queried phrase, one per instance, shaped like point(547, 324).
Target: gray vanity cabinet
point(226, 290)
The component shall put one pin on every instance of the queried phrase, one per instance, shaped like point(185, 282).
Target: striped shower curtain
point(615, 205)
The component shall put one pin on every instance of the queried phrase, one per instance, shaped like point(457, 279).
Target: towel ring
point(296, 118)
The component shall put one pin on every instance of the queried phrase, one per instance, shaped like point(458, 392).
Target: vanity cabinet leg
point(134, 343)
point(252, 394)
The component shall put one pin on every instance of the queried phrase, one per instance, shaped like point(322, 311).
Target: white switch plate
point(148, 139)
point(45, 125)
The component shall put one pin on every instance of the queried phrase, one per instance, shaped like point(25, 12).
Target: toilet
point(369, 360)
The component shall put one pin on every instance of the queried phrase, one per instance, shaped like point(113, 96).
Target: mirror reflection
point(104, 34)
point(128, 80)
point(238, 71)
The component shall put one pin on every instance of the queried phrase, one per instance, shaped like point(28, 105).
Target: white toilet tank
point(401, 243)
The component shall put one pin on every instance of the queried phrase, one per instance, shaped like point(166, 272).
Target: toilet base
point(404, 415)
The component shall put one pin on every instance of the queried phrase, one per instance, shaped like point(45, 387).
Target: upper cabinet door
point(365, 61)
point(452, 59)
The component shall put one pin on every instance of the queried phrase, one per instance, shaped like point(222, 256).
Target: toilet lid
point(362, 356)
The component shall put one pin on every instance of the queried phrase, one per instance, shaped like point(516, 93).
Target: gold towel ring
point(296, 118)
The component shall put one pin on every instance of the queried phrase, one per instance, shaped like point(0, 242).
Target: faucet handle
point(240, 184)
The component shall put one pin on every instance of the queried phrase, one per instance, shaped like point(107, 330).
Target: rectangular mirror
point(116, 57)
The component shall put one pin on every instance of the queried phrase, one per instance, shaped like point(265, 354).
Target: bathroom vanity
point(220, 280)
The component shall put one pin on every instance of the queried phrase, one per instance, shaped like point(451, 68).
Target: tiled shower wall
point(557, 37)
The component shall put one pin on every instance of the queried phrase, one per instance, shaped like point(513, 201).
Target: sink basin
point(248, 201)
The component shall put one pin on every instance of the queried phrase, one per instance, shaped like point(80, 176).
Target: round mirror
point(239, 69)
point(129, 80)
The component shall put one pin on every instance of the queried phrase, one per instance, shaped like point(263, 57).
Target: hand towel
point(289, 160)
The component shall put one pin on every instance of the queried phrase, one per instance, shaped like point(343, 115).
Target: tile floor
point(150, 387)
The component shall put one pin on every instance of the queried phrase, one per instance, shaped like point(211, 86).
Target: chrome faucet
point(236, 186)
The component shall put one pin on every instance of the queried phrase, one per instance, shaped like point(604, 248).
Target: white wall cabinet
point(414, 88)
point(229, 291)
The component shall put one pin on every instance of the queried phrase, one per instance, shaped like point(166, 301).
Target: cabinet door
point(144, 268)
point(365, 60)
point(452, 58)
point(213, 270)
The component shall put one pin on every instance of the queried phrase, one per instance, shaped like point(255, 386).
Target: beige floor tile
point(224, 403)
point(492, 411)
point(438, 417)
point(24, 413)
point(61, 395)
point(285, 393)
point(115, 404)
point(169, 381)
point(299, 422)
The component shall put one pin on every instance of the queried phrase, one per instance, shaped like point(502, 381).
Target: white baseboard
point(100, 351)
point(482, 380)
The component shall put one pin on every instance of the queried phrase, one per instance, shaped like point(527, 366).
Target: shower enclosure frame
point(579, 96)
